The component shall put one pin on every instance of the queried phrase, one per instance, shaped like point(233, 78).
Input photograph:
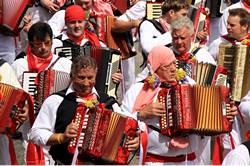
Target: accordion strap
point(2, 61)
point(247, 144)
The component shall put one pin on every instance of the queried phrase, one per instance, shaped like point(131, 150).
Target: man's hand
point(153, 109)
point(70, 132)
point(179, 142)
point(50, 5)
point(117, 77)
point(22, 115)
point(232, 111)
point(27, 23)
point(132, 143)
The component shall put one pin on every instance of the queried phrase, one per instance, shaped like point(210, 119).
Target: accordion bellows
point(11, 99)
point(236, 60)
point(102, 134)
point(194, 109)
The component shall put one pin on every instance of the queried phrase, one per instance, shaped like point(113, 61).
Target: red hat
point(74, 13)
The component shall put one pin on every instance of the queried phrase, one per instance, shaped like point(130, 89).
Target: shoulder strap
point(20, 55)
point(108, 100)
point(2, 61)
point(194, 52)
point(157, 25)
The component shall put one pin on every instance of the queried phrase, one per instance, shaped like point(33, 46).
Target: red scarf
point(36, 64)
point(77, 40)
point(233, 41)
point(92, 37)
point(183, 57)
point(246, 6)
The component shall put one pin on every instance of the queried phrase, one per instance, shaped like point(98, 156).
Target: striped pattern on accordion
point(11, 101)
point(11, 14)
point(107, 59)
point(41, 85)
point(102, 134)
point(194, 109)
point(236, 60)
point(209, 74)
point(51, 81)
point(153, 10)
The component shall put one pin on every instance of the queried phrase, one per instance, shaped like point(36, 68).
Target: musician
point(240, 155)
point(7, 151)
point(141, 101)
point(38, 57)
point(245, 4)
point(91, 7)
point(56, 130)
point(75, 34)
point(158, 31)
point(238, 25)
point(129, 21)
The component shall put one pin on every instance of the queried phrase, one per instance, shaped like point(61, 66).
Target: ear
point(171, 13)
point(245, 27)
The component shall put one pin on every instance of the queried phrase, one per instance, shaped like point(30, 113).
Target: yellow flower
point(180, 74)
point(245, 41)
point(91, 103)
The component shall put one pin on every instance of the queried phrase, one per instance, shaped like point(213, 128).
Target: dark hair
point(39, 30)
point(82, 62)
point(243, 15)
point(175, 5)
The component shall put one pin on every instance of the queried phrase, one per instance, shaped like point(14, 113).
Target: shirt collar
point(71, 90)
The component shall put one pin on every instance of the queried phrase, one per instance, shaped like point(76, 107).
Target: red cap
point(74, 13)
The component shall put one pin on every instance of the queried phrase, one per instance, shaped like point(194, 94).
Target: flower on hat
point(180, 74)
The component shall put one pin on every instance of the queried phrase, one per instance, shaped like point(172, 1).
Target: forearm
point(123, 26)
point(56, 138)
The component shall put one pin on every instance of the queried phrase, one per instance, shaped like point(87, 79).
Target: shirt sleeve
point(44, 124)
point(151, 37)
point(57, 22)
point(245, 108)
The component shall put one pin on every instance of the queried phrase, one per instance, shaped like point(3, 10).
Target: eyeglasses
point(168, 67)
point(40, 44)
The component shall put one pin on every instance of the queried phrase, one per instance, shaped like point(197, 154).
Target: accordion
point(107, 60)
point(41, 85)
point(236, 59)
point(194, 109)
point(153, 10)
point(209, 74)
point(121, 41)
point(11, 14)
point(12, 100)
point(102, 134)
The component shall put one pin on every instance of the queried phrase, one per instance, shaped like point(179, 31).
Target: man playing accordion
point(54, 126)
point(141, 101)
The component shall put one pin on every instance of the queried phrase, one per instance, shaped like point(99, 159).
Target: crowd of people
point(169, 54)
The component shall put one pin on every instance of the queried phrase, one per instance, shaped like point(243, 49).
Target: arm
point(245, 108)
point(123, 26)
point(57, 22)
point(151, 37)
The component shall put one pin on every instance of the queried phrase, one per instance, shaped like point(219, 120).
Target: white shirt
point(57, 22)
point(137, 11)
point(151, 37)
point(238, 156)
point(7, 48)
point(223, 19)
point(158, 143)
point(21, 65)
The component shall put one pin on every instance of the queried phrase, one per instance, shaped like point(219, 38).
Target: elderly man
point(54, 127)
point(141, 101)
point(238, 25)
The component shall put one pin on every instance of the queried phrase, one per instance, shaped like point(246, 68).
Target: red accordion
point(102, 134)
point(11, 14)
point(194, 109)
point(12, 100)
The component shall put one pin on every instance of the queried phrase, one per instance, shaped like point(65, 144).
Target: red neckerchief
point(88, 96)
point(36, 64)
point(92, 37)
point(77, 40)
point(245, 40)
point(229, 39)
point(246, 6)
point(183, 57)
